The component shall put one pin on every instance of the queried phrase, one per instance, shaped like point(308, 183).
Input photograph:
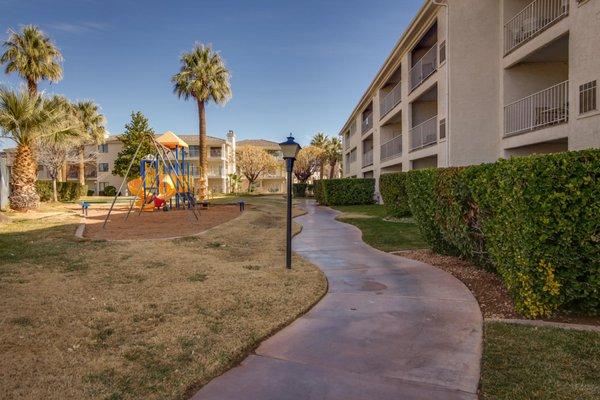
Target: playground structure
point(165, 180)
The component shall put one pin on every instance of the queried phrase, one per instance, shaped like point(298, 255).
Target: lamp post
point(290, 150)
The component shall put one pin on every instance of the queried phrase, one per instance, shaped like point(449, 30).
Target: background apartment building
point(273, 182)
point(472, 81)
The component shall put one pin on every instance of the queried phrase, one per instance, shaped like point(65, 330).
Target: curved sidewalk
point(388, 328)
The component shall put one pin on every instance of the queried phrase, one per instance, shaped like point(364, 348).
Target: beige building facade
point(273, 182)
point(472, 81)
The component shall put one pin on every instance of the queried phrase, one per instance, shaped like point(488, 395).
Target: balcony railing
point(532, 20)
point(367, 122)
point(423, 68)
point(391, 148)
point(390, 100)
point(352, 128)
point(367, 158)
point(424, 134)
point(547, 107)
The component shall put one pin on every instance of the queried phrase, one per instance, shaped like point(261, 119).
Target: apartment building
point(273, 182)
point(472, 81)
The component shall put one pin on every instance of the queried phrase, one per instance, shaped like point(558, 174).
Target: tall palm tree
point(204, 77)
point(320, 140)
point(334, 154)
point(94, 131)
point(31, 54)
point(26, 120)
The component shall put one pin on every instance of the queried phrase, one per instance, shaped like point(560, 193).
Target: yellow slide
point(166, 190)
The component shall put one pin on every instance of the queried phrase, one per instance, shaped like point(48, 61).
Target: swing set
point(165, 180)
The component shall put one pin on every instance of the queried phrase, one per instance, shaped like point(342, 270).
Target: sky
point(296, 66)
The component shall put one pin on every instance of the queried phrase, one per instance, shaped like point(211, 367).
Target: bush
point(534, 220)
point(302, 189)
point(110, 190)
point(346, 191)
point(393, 192)
point(67, 191)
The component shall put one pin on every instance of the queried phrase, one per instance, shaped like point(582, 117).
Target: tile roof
point(266, 144)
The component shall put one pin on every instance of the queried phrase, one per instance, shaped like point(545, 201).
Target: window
point(194, 151)
point(215, 152)
point(588, 97)
point(442, 52)
point(443, 128)
point(102, 185)
point(103, 148)
point(103, 167)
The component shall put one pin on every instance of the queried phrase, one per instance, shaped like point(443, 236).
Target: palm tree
point(32, 55)
point(204, 77)
point(320, 140)
point(94, 131)
point(334, 154)
point(27, 120)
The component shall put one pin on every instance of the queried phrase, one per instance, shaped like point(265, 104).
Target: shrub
point(67, 191)
point(393, 191)
point(110, 190)
point(302, 189)
point(534, 220)
point(346, 191)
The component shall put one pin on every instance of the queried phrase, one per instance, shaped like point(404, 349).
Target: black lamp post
point(290, 150)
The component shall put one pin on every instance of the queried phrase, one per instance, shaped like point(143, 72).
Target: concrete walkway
point(389, 328)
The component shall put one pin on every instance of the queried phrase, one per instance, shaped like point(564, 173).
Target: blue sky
point(296, 66)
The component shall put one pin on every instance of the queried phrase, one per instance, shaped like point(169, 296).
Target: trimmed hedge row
point(393, 192)
point(345, 191)
point(533, 220)
point(301, 189)
point(67, 191)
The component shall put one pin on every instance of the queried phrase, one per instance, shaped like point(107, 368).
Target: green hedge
point(67, 191)
point(533, 220)
point(393, 192)
point(302, 189)
point(110, 190)
point(347, 191)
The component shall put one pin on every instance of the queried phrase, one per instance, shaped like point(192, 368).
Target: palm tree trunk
point(64, 171)
point(203, 153)
point(331, 169)
point(81, 166)
point(322, 170)
point(32, 87)
point(23, 195)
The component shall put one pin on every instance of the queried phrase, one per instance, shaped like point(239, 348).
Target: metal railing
point(424, 67)
point(367, 158)
point(424, 134)
point(391, 148)
point(389, 100)
point(367, 122)
point(546, 107)
point(532, 20)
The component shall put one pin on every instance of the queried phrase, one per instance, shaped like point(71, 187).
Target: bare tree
point(253, 161)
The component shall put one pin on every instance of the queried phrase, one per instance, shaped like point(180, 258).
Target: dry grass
point(130, 320)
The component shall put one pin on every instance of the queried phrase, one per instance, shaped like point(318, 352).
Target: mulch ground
point(489, 290)
point(154, 224)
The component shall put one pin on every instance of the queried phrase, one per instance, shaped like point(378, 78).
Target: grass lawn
point(379, 233)
point(130, 320)
point(524, 362)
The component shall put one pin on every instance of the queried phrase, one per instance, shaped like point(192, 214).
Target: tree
point(32, 55)
point(136, 131)
point(93, 128)
point(333, 152)
point(204, 77)
point(252, 161)
point(308, 161)
point(28, 120)
point(234, 182)
point(321, 141)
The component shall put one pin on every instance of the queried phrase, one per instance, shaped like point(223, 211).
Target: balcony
point(546, 107)
point(390, 100)
point(367, 122)
point(352, 129)
point(392, 148)
point(367, 158)
point(423, 68)
point(532, 20)
point(424, 134)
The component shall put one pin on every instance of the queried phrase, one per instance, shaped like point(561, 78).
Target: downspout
point(444, 3)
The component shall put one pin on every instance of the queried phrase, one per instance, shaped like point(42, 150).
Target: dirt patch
point(488, 288)
point(155, 224)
